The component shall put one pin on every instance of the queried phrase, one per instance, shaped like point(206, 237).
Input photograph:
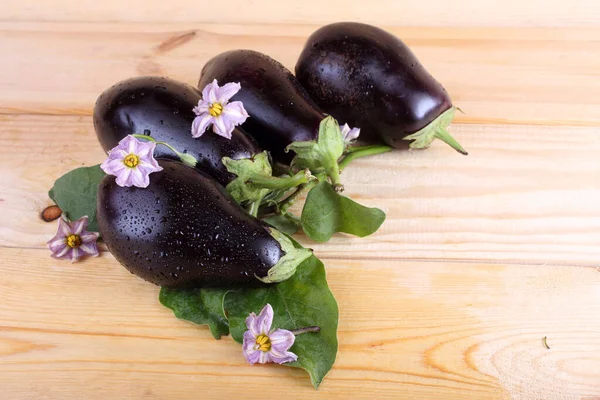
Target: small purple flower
point(131, 162)
point(73, 241)
point(263, 345)
point(214, 108)
point(349, 134)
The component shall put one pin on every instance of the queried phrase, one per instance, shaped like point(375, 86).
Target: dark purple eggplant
point(184, 230)
point(163, 109)
point(368, 78)
point(280, 110)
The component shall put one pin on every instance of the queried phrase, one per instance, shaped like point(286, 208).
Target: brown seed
point(51, 213)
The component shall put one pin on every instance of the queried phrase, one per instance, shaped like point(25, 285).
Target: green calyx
point(286, 266)
point(437, 129)
point(322, 155)
point(255, 180)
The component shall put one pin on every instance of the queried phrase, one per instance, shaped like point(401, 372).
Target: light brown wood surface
point(481, 257)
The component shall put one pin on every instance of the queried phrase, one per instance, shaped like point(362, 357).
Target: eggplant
point(163, 108)
point(368, 78)
point(280, 110)
point(184, 230)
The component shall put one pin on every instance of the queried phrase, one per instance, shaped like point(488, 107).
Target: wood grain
point(512, 13)
point(497, 76)
point(480, 259)
point(539, 207)
point(407, 329)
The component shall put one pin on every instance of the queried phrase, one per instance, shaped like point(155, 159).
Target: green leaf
point(301, 301)
point(200, 306)
point(240, 189)
point(323, 154)
point(326, 212)
point(284, 223)
point(75, 193)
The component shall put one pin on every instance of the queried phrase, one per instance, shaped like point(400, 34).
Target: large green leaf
point(326, 212)
point(301, 301)
point(75, 193)
point(200, 306)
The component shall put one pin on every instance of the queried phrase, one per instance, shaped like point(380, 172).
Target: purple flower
point(349, 134)
point(73, 241)
point(131, 162)
point(214, 108)
point(263, 345)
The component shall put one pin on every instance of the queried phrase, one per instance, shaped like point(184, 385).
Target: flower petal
point(281, 340)
point(264, 320)
point(57, 243)
point(227, 91)
point(352, 135)
point(221, 128)
point(123, 178)
point(286, 357)
point(200, 124)
point(251, 325)
point(64, 253)
point(209, 93)
point(263, 357)
point(75, 254)
point(250, 353)
point(146, 150)
point(201, 108)
point(64, 229)
point(89, 248)
point(79, 225)
point(235, 112)
point(87, 236)
point(128, 144)
point(138, 178)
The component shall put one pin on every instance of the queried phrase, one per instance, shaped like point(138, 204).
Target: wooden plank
point(498, 76)
point(512, 13)
point(91, 330)
point(524, 194)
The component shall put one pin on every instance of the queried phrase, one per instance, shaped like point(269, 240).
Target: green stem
point(146, 137)
point(184, 157)
point(334, 174)
point(300, 331)
point(289, 201)
point(445, 137)
point(254, 207)
point(363, 152)
point(280, 183)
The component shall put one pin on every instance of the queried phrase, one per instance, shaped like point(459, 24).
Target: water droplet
point(147, 132)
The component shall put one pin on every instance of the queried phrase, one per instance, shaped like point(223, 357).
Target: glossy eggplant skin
point(368, 78)
point(184, 231)
point(280, 110)
point(163, 108)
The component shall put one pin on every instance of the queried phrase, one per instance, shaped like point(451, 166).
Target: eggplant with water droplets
point(184, 230)
point(280, 110)
point(163, 109)
point(368, 78)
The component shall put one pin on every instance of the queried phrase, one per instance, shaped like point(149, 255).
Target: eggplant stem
point(291, 199)
point(279, 183)
point(445, 137)
point(364, 151)
point(254, 207)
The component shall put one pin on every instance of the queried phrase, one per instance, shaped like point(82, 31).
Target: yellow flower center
point(131, 160)
point(73, 241)
point(263, 343)
point(215, 109)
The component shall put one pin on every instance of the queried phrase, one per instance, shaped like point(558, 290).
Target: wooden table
point(481, 257)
